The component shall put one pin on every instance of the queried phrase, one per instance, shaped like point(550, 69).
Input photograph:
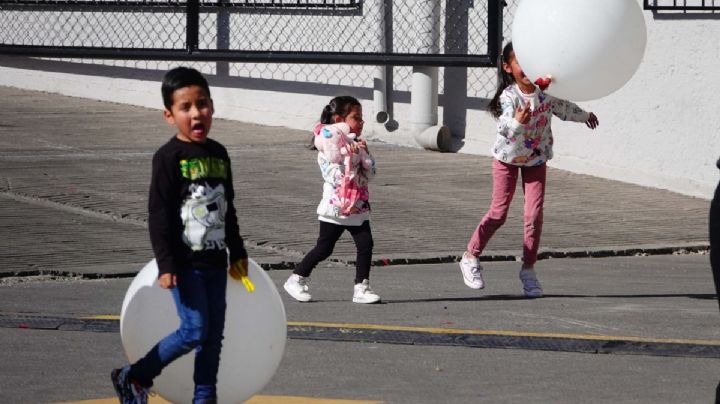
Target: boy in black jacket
point(193, 225)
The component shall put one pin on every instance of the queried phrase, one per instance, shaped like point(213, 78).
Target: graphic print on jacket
point(203, 211)
point(530, 144)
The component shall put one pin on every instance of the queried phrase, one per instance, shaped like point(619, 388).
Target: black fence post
point(495, 24)
point(222, 67)
point(193, 24)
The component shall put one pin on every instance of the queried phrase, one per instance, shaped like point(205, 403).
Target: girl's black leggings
point(329, 235)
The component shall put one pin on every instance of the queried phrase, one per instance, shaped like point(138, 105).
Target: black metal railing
point(362, 32)
point(267, 4)
point(682, 5)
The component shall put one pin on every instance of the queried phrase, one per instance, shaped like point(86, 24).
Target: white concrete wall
point(660, 130)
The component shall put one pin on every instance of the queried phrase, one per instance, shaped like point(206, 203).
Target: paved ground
point(653, 299)
point(69, 167)
point(73, 182)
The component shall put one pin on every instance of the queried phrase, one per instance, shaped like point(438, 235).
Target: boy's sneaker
point(472, 272)
point(363, 294)
point(297, 287)
point(531, 285)
point(128, 391)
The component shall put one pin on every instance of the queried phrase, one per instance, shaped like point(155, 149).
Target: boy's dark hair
point(504, 80)
point(341, 105)
point(180, 77)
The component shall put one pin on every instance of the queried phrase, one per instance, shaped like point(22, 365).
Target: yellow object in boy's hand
point(239, 272)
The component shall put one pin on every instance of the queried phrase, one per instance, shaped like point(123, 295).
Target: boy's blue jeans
point(200, 300)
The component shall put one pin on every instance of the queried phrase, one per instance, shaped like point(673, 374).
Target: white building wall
point(660, 130)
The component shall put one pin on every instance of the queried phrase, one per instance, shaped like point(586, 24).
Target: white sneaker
point(531, 285)
point(363, 294)
point(472, 272)
point(297, 287)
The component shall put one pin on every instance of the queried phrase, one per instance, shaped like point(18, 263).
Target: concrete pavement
point(75, 173)
point(625, 302)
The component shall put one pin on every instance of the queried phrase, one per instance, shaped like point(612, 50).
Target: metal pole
point(495, 23)
point(380, 76)
point(222, 68)
point(193, 23)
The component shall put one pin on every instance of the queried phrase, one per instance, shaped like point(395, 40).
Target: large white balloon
point(590, 47)
point(255, 333)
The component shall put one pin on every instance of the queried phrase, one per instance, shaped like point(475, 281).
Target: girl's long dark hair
point(341, 106)
point(504, 80)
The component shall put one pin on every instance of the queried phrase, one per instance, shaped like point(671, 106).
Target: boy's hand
point(592, 121)
point(239, 272)
point(167, 281)
point(522, 114)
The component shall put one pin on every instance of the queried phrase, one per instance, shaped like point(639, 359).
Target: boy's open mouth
point(198, 127)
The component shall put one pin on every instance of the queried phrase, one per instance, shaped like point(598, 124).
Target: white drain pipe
point(380, 77)
point(424, 96)
point(380, 95)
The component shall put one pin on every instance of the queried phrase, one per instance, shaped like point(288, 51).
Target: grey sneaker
point(531, 285)
point(363, 294)
point(128, 391)
point(472, 272)
point(297, 287)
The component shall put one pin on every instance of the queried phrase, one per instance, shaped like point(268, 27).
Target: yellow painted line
point(432, 330)
point(156, 399)
point(102, 317)
point(304, 400)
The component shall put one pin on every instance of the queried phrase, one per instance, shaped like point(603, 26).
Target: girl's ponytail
point(327, 113)
point(504, 80)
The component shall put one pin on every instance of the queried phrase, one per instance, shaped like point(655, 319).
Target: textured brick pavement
point(74, 175)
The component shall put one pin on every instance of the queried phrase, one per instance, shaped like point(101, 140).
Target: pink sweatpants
point(505, 178)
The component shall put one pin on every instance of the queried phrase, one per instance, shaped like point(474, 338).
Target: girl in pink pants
point(521, 150)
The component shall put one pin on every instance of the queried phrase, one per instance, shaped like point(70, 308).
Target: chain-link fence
point(307, 31)
point(334, 42)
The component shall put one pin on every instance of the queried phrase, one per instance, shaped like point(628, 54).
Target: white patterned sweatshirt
point(363, 170)
point(530, 144)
